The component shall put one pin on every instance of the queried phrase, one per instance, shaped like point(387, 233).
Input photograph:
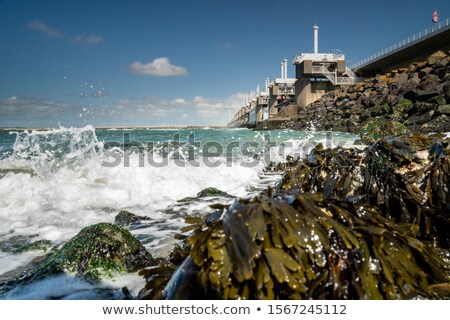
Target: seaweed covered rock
point(376, 129)
point(299, 246)
point(342, 224)
point(99, 251)
point(407, 178)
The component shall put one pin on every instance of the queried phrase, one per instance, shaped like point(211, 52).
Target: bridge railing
point(412, 39)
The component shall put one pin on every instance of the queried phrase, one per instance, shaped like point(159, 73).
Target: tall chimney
point(316, 38)
point(266, 88)
point(285, 68)
point(257, 90)
point(282, 70)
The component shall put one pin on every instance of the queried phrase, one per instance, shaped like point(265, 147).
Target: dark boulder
point(207, 192)
point(125, 218)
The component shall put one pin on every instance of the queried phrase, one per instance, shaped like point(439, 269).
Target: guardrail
point(410, 40)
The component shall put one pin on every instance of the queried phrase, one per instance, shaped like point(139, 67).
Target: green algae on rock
point(376, 129)
point(99, 251)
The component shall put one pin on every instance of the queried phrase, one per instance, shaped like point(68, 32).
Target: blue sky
point(138, 62)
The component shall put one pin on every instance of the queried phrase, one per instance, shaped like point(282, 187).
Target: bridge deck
point(415, 48)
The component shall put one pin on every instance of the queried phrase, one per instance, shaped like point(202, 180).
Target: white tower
point(285, 68)
point(316, 38)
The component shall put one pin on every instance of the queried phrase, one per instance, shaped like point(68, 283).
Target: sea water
point(55, 182)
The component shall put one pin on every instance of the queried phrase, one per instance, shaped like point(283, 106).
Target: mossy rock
point(99, 251)
point(379, 128)
point(207, 192)
point(40, 245)
point(271, 125)
point(440, 100)
point(405, 102)
point(379, 110)
point(445, 109)
point(213, 192)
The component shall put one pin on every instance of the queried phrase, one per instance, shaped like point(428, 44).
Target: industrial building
point(315, 74)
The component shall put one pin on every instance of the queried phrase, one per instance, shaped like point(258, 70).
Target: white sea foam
point(71, 186)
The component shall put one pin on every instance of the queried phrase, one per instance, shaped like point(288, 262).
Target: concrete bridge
point(415, 48)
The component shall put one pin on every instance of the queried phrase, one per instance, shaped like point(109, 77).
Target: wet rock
point(40, 245)
point(207, 192)
point(125, 218)
point(14, 243)
point(98, 251)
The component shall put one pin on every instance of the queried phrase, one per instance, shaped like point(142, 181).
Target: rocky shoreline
point(413, 100)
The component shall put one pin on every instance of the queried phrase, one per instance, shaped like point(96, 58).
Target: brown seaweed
point(343, 224)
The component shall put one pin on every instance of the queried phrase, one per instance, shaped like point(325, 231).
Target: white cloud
point(160, 67)
point(43, 28)
point(216, 107)
point(149, 106)
point(89, 40)
point(212, 111)
point(179, 101)
point(25, 111)
point(21, 107)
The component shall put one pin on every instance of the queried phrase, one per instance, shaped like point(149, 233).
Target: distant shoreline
point(121, 127)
